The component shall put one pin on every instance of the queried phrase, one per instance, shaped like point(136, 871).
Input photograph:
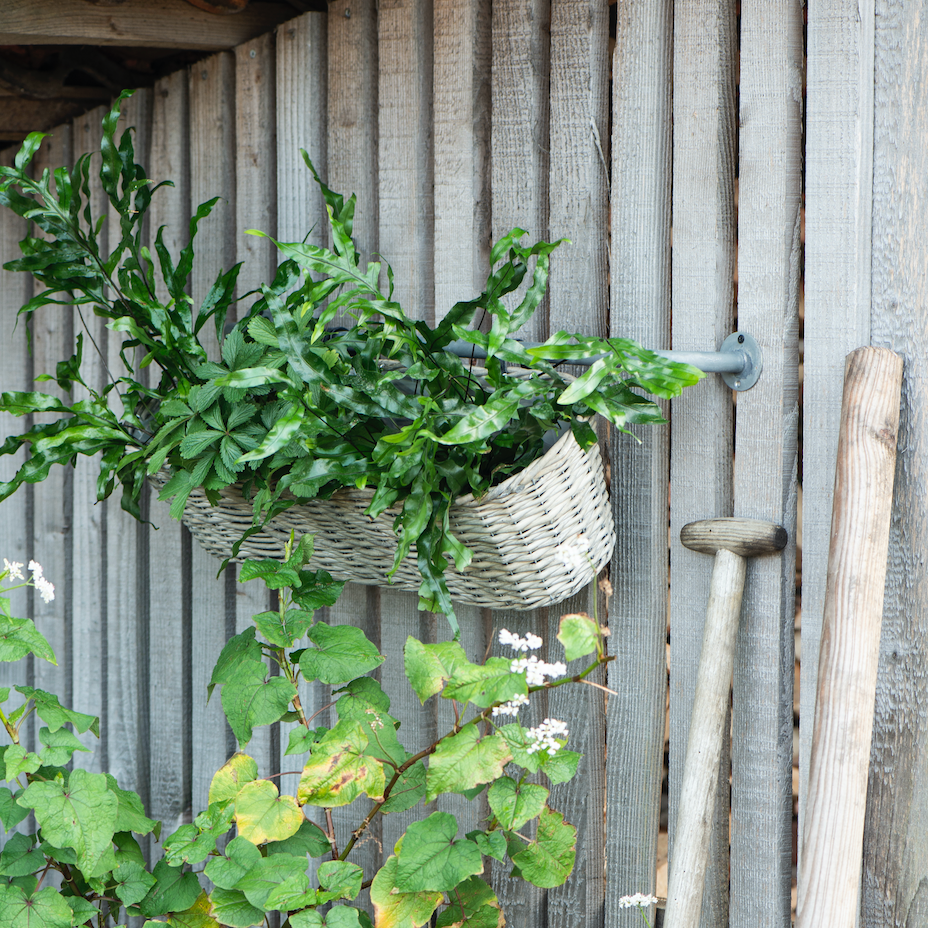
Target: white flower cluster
point(512, 707)
point(535, 670)
point(641, 900)
point(529, 643)
point(46, 589)
point(14, 569)
point(544, 737)
point(574, 554)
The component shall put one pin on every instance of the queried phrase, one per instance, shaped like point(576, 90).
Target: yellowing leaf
point(338, 771)
point(238, 770)
point(394, 909)
point(263, 815)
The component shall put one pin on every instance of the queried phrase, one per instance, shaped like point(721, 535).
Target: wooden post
point(834, 820)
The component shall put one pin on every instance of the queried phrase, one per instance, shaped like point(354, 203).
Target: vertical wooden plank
point(352, 112)
point(640, 309)
point(302, 81)
point(169, 634)
point(461, 115)
point(127, 613)
point(352, 74)
point(703, 264)
point(212, 173)
point(256, 208)
point(770, 173)
point(52, 340)
point(519, 180)
point(895, 869)
point(579, 301)
point(839, 195)
point(405, 239)
point(15, 374)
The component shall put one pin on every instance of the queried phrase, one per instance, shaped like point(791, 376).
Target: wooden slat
point(127, 612)
point(15, 290)
point(256, 208)
point(770, 174)
point(579, 301)
point(158, 24)
point(839, 191)
point(461, 111)
point(301, 123)
point(88, 625)
point(169, 640)
point(640, 309)
point(519, 182)
point(212, 173)
point(52, 340)
point(705, 43)
point(895, 859)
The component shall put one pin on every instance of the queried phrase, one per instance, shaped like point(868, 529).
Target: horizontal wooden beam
point(152, 23)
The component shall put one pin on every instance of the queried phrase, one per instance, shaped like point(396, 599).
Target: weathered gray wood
point(169, 640)
point(352, 112)
point(167, 24)
point(640, 309)
point(770, 173)
point(15, 290)
point(301, 123)
point(705, 45)
point(127, 613)
point(52, 340)
point(519, 185)
point(212, 173)
point(866, 464)
point(895, 856)
point(839, 193)
point(256, 208)
point(461, 115)
point(579, 300)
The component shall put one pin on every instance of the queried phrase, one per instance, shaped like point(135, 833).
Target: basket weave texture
point(534, 536)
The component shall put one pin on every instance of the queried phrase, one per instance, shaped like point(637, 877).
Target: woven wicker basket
point(533, 537)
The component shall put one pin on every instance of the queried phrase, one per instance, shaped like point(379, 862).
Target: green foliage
point(324, 382)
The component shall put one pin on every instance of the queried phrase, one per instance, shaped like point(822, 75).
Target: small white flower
point(512, 707)
point(46, 589)
point(575, 554)
point(546, 736)
point(15, 569)
point(36, 569)
point(536, 671)
point(641, 900)
point(529, 643)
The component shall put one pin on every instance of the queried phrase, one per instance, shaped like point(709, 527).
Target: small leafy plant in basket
point(323, 382)
point(254, 850)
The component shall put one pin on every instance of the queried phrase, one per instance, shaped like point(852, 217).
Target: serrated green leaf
point(240, 856)
point(11, 812)
point(431, 858)
point(59, 746)
point(548, 860)
point(465, 760)
point(561, 767)
point(408, 791)
point(294, 893)
point(44, 909)
point(341, 653)
point(229, 779)
point(341, 877)
point(429, 666)
point(514, 805)
point(483, 686)
point(18, 760)
point(19, 637)
point(252, 703)
point(133, 882)
point(130, 814)
point(490, 843)
point(579, 635)
point(20, 857)
point(262, 814)
point(55, 715)
point(309, 840)
point(175, 890)
point(266, 874)
point(283, 631)
point(474, 904)
point(230, 907)
point(338, 770)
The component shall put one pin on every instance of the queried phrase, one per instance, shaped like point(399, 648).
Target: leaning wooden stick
point(732, 541)
point(832, 841)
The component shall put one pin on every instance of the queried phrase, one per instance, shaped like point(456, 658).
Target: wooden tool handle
point(704, 746)
point(747, 537)
point(833, 828)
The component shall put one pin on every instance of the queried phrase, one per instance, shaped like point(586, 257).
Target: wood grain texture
point(461, 116)
point(839, 194)
point(126, 669)
point(849, 654)
point(519, 139)
point(895, 872)
point(212, 172)
point(707, 736)
point(745, 537)
point(52, 340)
point(640, 298)
point(578, 290)
point(169, 651)
point(770, 173)
point(704, 120)
point(302, 98)
point(162, 24)
point(256, 208)
point(352, 112)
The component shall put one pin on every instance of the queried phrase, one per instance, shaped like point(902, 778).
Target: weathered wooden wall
point(453, 122)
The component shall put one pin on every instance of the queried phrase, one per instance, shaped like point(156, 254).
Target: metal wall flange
point(740, 343)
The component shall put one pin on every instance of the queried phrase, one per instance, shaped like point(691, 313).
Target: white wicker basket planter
point(533, 537)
